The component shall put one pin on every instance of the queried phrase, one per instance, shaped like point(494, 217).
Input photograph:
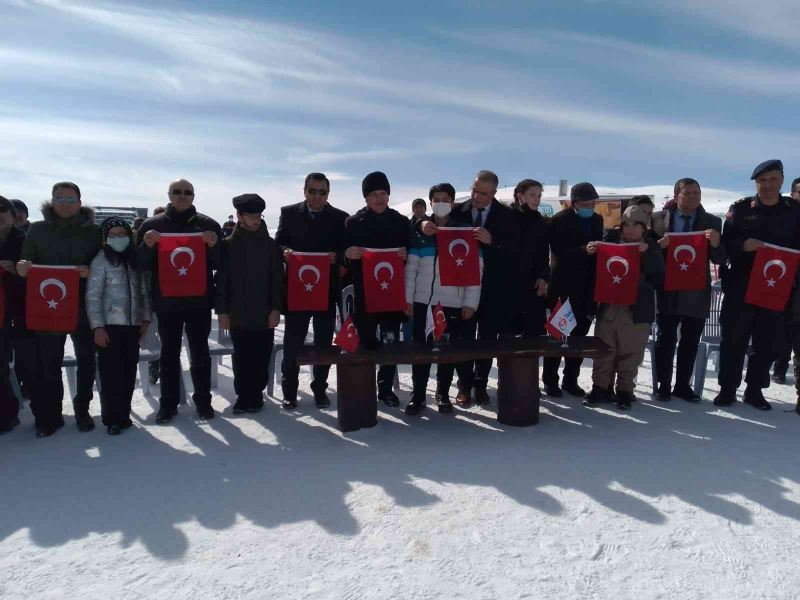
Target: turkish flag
point(309, 275)
point(347, 338)
point(383, 272)
point(617, 276)
point(182, 265)
point(687, 262)
point(771, 277)
point(52, 299)
point(436, 322)
point(562, 320)
point(458, 252)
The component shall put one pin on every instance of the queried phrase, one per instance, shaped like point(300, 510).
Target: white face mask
point(441, 209)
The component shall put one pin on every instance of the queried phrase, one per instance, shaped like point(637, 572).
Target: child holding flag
point(626, 327)
point(424, 290)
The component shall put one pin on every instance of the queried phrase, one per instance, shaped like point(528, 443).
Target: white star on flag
point(770, 283)
point(182, 271)
point(52, 304)
point(459, 262)
point(384, 285)
point(309, 287)
point(684, 267)
point(616, 278)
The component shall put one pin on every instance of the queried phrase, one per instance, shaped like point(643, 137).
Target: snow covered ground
point(668, 501)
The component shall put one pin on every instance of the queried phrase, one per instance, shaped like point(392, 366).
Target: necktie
point(479, 218)
point(687, 223)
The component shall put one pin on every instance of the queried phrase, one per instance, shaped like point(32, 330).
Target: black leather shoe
point(686, 393)
point(552, 390)
point(624, 400)
point(390, 399)
point(572, 387)
point(321, 400)
point(255, 408)
point(206, 412)
point(239, 408)
point(755, 398)
point(84, 421)
point(165, 415)
point(414, 408)
point(597, 396)
point(289, 403)
point(42, 432)
point(779, 378)
point(725, 398)
point(482, 396)
point(662, 393)
point(114, 430)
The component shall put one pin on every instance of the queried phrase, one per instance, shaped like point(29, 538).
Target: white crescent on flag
point(775, 263)
point(383, 265)
point(620, 260)
point(181, 250)
point(350, 326)
point(458, 242)
point(311, 268)
point(687, 247)
point(56, 282)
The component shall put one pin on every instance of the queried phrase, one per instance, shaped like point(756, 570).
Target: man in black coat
point(534, 258)
point(193, 313)
point(685, 309)
point(376, 226)
point(311, 226)
point(13, 298)
point(250, 296)
point(572, 275)
point(497, 231)
point(767, 217)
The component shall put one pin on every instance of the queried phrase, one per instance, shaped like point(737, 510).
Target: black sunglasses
point(184, 192)
point(315, 192)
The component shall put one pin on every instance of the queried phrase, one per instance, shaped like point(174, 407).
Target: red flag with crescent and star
point(772, 276)
point(383, 272)
point(435, 322)
point(182, 265)
point(458, 252)
point(347, 338)
point(617, 277)
point(687, 262)
point(308, 281)
point(52, 298)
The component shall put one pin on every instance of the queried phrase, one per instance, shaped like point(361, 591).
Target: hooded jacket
point(116, 294)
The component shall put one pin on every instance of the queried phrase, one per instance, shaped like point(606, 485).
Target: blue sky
point(250, 96)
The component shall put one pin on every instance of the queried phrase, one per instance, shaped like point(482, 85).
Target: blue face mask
point(118, 244)
point(585, 213)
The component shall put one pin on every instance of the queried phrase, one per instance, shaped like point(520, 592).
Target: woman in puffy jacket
point(119, 308)
point(459, 303)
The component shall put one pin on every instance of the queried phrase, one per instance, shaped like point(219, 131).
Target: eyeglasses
point(184, 192)
point(67, 200)
point(315, 192)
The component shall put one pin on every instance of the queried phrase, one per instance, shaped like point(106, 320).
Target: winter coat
point(367, 229)
point(14, 285)
point(423, 282)
point(117, 294)
point(250, 282)
point(572, 270)
point(534, 256)
point(694, 303)
point(170, 221)
point(59, 242)
point(301, 232)
point(651, 278)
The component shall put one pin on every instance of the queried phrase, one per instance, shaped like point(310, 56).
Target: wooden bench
point(517, 382)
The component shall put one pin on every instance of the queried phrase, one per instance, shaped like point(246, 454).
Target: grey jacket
point(116, 294)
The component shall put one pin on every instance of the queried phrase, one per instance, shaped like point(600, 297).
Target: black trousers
point(572, 366)
point(531, 317)
point(47, 391)
point(118, 363)
point(784, 352)
point(252, 350)
point(367, 325)
point(739, 322)
point(457, 329)
point(9, 407)
point(794, 333)
point(24, 344)
point(490, 324)
point(170, 329)
point(294, 334)
point(691, 330)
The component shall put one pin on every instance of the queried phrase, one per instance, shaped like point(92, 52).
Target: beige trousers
point(627, 340)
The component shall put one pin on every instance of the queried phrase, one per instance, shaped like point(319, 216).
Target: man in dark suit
point(685, 309)
point(572, 277)
point(497, 231)
point(310, 226)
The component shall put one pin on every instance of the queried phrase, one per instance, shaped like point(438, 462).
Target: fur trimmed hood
point(48, 212)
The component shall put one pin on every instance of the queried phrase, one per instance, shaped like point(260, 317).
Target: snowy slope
point(668, 501)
